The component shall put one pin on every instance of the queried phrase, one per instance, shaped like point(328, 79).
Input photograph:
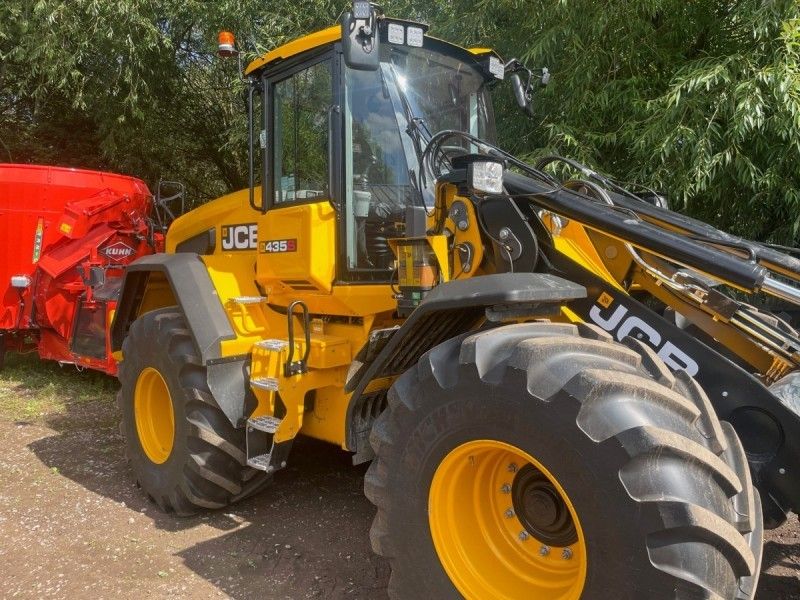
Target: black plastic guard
point(194, 294)
point(449, 310)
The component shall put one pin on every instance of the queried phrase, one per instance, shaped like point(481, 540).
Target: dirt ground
point(73, 525)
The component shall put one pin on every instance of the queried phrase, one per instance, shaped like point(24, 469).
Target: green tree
point(135, 85)
point(698, 99)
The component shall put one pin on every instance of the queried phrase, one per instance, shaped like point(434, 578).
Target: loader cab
point(338, 152)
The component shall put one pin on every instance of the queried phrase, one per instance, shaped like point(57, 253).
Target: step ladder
point(262, 451)
point(273, 361)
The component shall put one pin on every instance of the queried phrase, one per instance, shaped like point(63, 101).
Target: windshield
point(443, 91)
point(389, 115)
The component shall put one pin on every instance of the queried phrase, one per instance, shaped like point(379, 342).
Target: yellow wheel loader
point(563, 386)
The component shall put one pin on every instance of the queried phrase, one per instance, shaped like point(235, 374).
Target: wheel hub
point(153, 412)
point(493, 525)
point(541, 509)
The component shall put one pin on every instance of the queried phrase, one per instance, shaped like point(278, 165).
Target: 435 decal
point(272, 246)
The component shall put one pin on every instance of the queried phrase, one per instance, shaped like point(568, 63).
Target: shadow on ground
point(778, 586)
point(87, 447)
point(305, 536)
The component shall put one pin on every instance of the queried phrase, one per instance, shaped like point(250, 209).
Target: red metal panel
point(55, 223)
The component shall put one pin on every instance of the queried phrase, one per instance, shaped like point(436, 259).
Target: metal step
point(269, 384)
point(265, 424)
point(261, 462)
point(273, 345)
point(248, 299)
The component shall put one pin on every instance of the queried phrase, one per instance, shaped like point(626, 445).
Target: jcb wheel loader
point(560, 392)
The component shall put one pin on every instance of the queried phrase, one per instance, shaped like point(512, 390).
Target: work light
point(486, 176)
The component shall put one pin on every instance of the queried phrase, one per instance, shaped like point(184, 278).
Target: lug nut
point(566, 553)
point(509, 513)
point(506, 489)
point(523, 536)
point(544, 550)
point(512, 468)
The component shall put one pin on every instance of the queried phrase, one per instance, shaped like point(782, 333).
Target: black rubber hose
point(675, 247)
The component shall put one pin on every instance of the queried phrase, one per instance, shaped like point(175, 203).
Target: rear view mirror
point(522, 94)
point(523, 89)
point(360, 42)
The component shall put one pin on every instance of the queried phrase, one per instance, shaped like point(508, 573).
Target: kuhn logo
point(118, 251)
point(240, 237)
point(621, 325)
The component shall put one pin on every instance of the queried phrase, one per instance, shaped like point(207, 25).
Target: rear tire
point(204, 466)
point(659, 489)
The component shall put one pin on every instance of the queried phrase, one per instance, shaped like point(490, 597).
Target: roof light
point(414, 36)
point(496, 67)
point(226, 44)
point(397, 34)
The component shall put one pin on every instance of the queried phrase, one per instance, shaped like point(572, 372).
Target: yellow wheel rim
point(155, 420)
point(481, 494)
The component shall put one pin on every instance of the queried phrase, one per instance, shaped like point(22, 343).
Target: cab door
point(297, 234)
point(337, 186)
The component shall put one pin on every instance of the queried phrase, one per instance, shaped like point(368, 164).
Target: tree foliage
point(698, 99)
point(135, 85)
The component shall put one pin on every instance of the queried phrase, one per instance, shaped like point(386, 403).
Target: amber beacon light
point(226, 44)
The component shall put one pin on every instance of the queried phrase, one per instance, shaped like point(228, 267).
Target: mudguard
point(192, 291)
point(450, 309)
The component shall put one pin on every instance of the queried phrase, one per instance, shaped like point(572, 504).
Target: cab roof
point(317, 40)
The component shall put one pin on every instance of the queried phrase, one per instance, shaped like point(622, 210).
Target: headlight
point(486, 176)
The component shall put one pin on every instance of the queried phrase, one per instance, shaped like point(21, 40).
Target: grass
point(31, 388)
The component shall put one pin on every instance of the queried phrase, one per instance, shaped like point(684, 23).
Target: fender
point(449, 310)
point(191, 290)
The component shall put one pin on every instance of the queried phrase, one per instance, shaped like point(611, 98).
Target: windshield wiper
point(415, 127)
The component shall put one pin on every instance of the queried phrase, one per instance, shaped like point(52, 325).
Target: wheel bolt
point(523, 536)
point(506, 489)
point(566, 553)
point(544, 550)
point(509, 513)
point(512, 468)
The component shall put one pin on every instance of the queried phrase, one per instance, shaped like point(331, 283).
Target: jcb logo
point(240, 237)
point(621, 325)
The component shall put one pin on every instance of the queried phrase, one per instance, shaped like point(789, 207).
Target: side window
point(377, 186)
point(302, 103)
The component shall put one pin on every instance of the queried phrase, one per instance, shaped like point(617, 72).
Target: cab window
point(300, 162)
point(377, 185)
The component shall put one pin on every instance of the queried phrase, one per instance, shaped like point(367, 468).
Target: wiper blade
point(414, 125)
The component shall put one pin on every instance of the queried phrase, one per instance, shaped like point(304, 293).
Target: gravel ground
point(75, 526)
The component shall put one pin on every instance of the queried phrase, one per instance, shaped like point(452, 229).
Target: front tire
point(543, 461)
point(184, 452)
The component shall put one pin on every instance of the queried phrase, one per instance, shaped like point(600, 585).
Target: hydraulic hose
point(672, 246)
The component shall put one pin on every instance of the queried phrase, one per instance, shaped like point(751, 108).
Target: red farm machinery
point(67, 236)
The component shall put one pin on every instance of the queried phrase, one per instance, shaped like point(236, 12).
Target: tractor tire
point(183, 450)
point(544, 461)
